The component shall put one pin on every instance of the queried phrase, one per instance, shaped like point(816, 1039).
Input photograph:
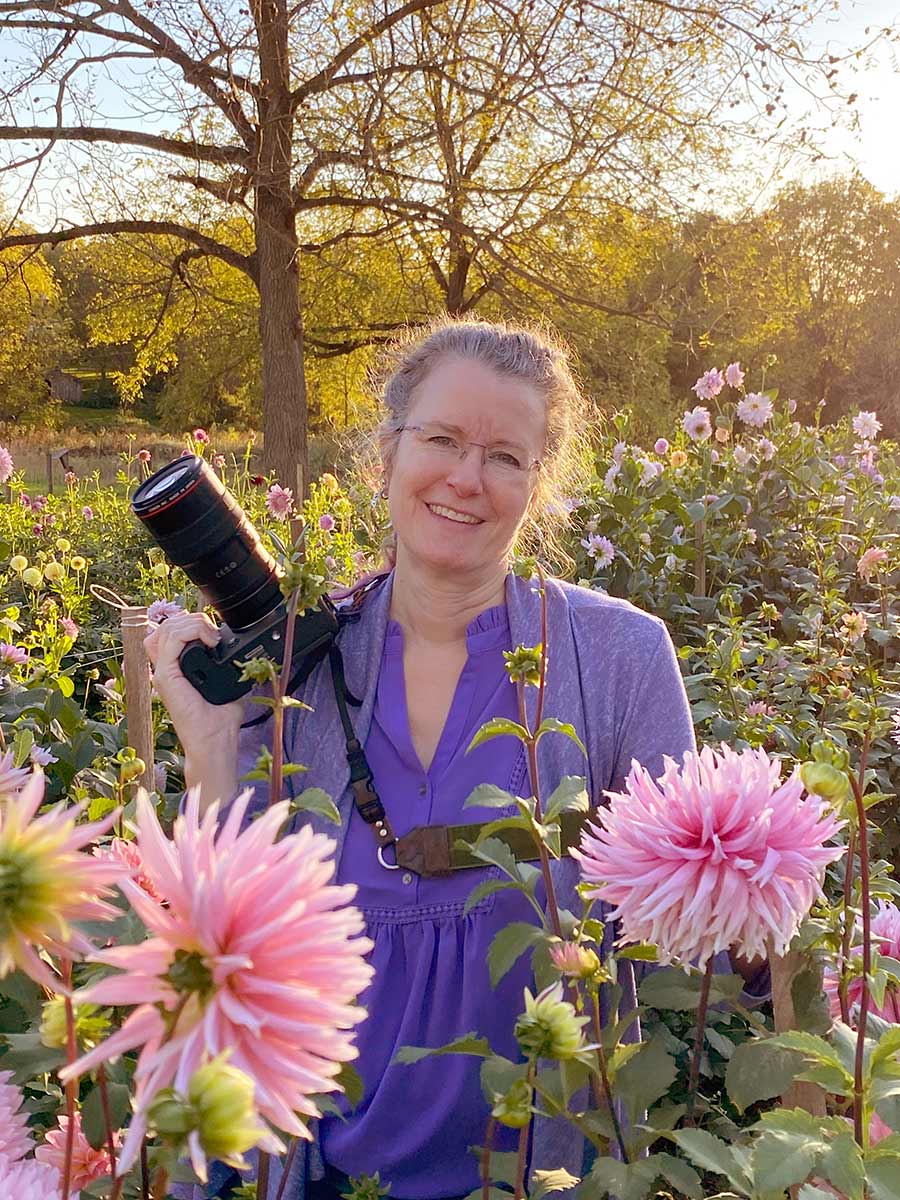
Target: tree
point(470, 135)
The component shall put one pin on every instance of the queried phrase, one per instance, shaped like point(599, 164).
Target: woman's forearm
point(212, 768)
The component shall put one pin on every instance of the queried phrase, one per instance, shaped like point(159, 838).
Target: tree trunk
point(277, 253)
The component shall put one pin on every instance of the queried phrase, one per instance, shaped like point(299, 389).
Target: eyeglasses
point(500, 461)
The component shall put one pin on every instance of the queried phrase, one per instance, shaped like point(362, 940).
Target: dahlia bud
point(523, 665)
point(130, 766)
point(549, 1027)
point(222, 1100)
point(54, 571)
point(576, 961)
point(90, 1027)
point(821, 779)
point(514, 1109)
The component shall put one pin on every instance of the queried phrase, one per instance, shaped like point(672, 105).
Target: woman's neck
point(436, 608)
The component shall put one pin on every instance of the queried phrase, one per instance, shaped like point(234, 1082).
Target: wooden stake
point(784, 970)
point(700, 558)
point(138, 705)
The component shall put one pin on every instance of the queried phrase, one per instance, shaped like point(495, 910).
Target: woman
point(478, 437)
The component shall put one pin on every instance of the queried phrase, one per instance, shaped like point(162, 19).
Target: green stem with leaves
point(847, 932)
point(604, 1075)
point(521, 1161)
point(860, 1115)
point(71, 1086)
point(694, 1080)
point(486, 1158)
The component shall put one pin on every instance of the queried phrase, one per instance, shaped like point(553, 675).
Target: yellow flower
point(329, 483)
point(32, 577)
point(54, 571)
point(18, 562)
point(77, 563)
point(63, 545)
point(678, 458)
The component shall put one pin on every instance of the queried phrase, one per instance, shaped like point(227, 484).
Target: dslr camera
point(200, 527)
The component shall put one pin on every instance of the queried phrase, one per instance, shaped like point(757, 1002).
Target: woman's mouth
point(452, 514)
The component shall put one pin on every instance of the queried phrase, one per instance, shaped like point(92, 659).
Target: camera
point(200, 527)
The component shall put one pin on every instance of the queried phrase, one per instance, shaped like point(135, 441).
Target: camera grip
point(217, 682)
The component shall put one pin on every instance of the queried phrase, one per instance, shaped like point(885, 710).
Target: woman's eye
point(505, 459)
point(442, 442)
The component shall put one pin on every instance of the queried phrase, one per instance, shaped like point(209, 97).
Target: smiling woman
point(476, 446)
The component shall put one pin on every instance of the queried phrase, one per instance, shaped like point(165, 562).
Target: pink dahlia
point(885, 940)
point(28, 1180)
point(255, 953)
point(870, 562)
point(12, 656)
point(755, 409)
point(201, 436)
point(15, 1138)
point(697, 425)
point(734, 376)
point(160, 610)
point(55, 883)
point(12, 778)
point(866, 425)
point(6, 465)
point(709, 384)
point(128, 854)
point(718, 853)
point(326, 522)
point(279, 501)
point(88, 1164)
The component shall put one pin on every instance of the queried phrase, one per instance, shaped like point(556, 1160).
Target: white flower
point(697, 425)
point(618, 450)
point(765, 449)
point(671, 562)
point(755, 409)
point(741, 456)
point(648, 470)
point(41, 757)
point(866, 425)
point(600, 549)
point(609, 480)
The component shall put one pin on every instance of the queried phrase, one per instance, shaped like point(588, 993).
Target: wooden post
point(49, 473)
point(700, 558)
point(784, 970)
point(138, 705)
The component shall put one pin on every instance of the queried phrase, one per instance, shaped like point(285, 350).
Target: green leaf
point(842, 1165)
point(498, 727)
point(759, 1070)
point(498, 1074)
point(27, 1056)
point(670, 987)
point(787, 1149)
point(645, 1077)
point(570, 795)
point(488, 795)
point(641, 953)
point(822, 1054)
point(882, 1174)
point(350, 1082)
point(711, 1154)
point(470, 1043)
point(508, 946)
point(487, 888)
point(808, 1192)
point(65, 685)
point(24, 991)
point(681, 1176)
point(542, 1182)
point(552, 725)
point(885, 1051)
point(607, 1176)
point(497, 854)
point(119, 1096)
point(316, 800)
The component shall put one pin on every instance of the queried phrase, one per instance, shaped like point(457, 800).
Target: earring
point(383, 493)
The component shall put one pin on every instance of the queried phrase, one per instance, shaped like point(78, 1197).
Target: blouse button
point(407, 878)
point(423, 789)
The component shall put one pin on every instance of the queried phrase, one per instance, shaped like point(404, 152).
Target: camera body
point(201, 528)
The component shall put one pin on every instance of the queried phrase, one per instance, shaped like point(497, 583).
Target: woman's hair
point(514, 351)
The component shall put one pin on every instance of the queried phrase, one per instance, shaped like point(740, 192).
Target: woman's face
point(455, 515)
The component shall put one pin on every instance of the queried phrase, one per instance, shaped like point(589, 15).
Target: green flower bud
point(170, 1116)
point(821, 779)
point(514, 1109)
point(89, 1027)
point(259, 670)
point(549, 1027)
point(132, 769)
point(223, 1103)
point(524, 664)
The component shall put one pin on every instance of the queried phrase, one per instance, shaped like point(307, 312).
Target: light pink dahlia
point(870, 562)
point(12, 778)
point(755, 409)
point(15, 1138)
point(6, 465)
point(255, 954)
point(734, 376)
point(718, 853)
point(279, 501)
point(88, 1164)
point(28, 1180)
point(697, 425)
point(709, 384)
point(885, 940)
point(50, 881)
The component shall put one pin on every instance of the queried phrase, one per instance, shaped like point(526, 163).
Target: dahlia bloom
point(200, 435)
point(6, 464)
point(756, 409)
point(600, 549)
point(12, 656)
point(697, 425)
point(574, 960)
point(866, 425)
point(279, 501)
point(28, 1180)
point(885, 940)
point(549, 1028)
point(870, 562)
point(742, 456)
point(715, 854)
point(12, 778)
point(855, 626)
point(734, 376)
point(160, 610)
point(128, 854)
point(88, 1164)
point(15, 1139)
point(709, 384)
point(661, 446)
point(326, 522)
point(54, 882)
point(255, 953)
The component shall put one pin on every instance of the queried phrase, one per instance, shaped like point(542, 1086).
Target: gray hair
point(535, 357)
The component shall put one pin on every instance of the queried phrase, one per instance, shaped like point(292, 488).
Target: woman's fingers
point(164, 644)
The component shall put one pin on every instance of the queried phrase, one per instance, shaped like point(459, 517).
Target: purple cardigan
point(612, 674)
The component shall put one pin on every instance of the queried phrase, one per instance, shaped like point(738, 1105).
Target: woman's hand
point(208, 732)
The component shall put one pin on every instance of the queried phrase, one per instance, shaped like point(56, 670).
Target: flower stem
point(521, 1162)
point(276, 779)
point(145, 1172)
point(604, 1075)
point(860, 1116)
point(534, 778)
point(486, 1159)
point(107, 1125)
point(262, 1177)
point(847, 937)
point(160, 1184)
point(71, 1086)
point(694, 1080)
point(288, 1163)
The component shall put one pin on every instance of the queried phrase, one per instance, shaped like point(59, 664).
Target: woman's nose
point(467, 474)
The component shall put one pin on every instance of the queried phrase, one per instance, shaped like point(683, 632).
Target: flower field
point(158, 1010)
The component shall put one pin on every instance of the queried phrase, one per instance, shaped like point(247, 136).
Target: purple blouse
point(416, 1122)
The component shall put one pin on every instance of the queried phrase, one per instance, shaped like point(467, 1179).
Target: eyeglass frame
point(534, 463)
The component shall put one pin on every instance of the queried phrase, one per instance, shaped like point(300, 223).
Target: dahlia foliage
point(718, 853)
point(252, 951)
point(885, 940)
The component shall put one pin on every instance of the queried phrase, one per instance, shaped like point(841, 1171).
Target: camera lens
point(201, 528)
